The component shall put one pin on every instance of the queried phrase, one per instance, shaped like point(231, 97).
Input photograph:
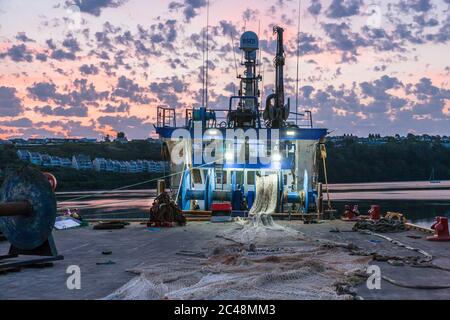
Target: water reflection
point(419, 201)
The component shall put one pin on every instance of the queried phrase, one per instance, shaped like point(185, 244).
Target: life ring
point(52, 180)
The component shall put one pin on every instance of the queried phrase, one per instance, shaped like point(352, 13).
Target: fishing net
point(260, 226)
point(253, 259)
point(382, 225)
point(233, 273)
point(266, 195)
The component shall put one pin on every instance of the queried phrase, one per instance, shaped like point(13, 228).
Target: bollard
point(375, 212)
point(440, 228)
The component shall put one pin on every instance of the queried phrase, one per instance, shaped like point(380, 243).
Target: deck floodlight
point(276, 157)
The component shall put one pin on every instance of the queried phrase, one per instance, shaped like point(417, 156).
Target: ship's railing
point(166, 117)
point(301, 119)
point(220, 122)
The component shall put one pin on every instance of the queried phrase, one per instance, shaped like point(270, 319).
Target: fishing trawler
point(265, 155)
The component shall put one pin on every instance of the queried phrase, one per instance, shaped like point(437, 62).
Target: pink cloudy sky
point(86, 68)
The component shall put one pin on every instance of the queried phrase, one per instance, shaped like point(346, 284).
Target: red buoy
point(440, 228)
point(375, 212)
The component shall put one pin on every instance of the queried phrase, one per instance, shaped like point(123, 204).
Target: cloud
point(127, 88)
point(41, 56)
point(315, 7)
point(228, 28)
point(69, 128)
point(94, 7)
point(344, 8)
point(190, 8)
point(250, 14)
point(10, 104)
point(75, 111)
point(343, 39)
point(18, 53)
point(42, 91)
point(21, 36)
point(71, 44)
point(370, 106)
point(415, 5)
point(308, 44)
point(132, 126)
point(156, 49)
point(80, 94)
point(17, 123)
point(167, 91)
point(122, 107)
point(88, 69)
point(60, 54)
point(377, 89)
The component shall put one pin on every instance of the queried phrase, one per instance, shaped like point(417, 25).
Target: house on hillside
point(134, 167)
point(36, 158)
point(55, 162)
point(82, 162)
point(66, 162)
point(140, 166)
point(123, 166)
point(24, 155)
point(111, 166)
point(46, 160)
point(99, 164)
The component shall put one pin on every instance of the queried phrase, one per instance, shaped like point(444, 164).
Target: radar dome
point(249, 41)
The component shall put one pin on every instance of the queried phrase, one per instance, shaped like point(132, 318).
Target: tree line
point(406, 160)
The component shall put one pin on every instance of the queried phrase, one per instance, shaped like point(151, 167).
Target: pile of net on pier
point(279, 266)
point(165, 210)
point(382, 225)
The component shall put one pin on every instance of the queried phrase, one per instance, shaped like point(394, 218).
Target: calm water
point(419, 201)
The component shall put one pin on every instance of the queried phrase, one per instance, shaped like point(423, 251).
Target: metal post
point(324, 157)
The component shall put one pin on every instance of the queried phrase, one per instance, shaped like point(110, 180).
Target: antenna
point(262, 83)
point(298, 64)
point(234, 54)
point(259, 37)
point(203, 70)
point(207, 54)
point(260, 64)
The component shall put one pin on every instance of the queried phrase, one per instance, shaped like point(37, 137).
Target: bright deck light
point(213, 132)
point(290, 133)
point(229, 156)
point(276, 157)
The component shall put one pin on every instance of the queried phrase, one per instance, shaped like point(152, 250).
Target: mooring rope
point(415, 286)
point(416, 264)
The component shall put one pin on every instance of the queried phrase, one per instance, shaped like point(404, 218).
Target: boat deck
point(136, 246)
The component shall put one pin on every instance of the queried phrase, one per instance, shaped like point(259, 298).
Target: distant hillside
point(406, 160)
point(348, 162)
point(113, 150)
point(72, 180)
